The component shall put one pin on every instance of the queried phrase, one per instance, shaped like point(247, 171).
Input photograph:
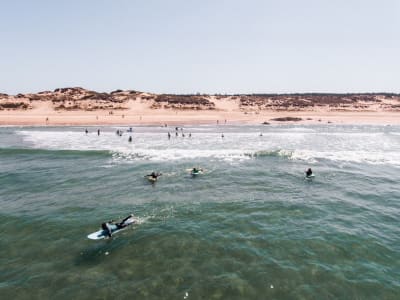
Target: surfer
point(309, 172)
point(196, 171)
point(111, 226)
point(154, 175)
point(130, 139)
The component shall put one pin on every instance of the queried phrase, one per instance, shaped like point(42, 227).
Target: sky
point(207, 46)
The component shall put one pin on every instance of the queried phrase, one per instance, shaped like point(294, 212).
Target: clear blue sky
point(207, 46)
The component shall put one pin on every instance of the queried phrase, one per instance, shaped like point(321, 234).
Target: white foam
point(305, 145)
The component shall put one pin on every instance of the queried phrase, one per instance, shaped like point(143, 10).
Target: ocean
point(250, 227)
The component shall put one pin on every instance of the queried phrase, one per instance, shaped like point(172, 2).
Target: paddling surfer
point(110, 226)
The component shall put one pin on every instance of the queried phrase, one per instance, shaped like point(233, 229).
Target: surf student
point(110, 226)
point(154, 175)
point(309, 172)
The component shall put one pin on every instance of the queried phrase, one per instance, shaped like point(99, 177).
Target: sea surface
point(250, 227)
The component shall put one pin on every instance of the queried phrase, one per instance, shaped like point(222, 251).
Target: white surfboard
point(151, 179)
point(101, 234)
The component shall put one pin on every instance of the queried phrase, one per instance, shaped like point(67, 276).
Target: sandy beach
point(77, 106)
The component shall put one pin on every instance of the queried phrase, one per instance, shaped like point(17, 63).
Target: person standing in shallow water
point(98, 131)
point(86, 131)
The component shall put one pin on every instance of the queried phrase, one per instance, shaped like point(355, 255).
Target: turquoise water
point(250, 227)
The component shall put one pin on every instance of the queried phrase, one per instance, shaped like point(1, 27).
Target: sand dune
point(78, 106)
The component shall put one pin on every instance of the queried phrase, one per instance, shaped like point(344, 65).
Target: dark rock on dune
point(116, 91)
point(14, 105)
point(185, 102)
point(286, 119)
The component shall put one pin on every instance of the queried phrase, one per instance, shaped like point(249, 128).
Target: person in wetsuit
point(110, 226)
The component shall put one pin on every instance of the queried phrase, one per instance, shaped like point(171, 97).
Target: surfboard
point(151, 179)
point(196, 173)
point(310, 176)
point(101, 234)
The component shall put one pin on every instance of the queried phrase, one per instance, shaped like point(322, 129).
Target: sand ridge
point(78, 106)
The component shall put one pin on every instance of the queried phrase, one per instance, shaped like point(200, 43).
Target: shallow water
point(250, 227)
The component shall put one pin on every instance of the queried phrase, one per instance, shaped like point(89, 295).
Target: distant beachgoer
point(176, 133)
point(190, 135)
point(130, 139)
point(86, 131)
point(176, 128)
point(98, 131)
point(217, 122)
point(222, 136)
point(261, 134)
point(47, 120)
point(225, 121)
point(169, 135)
point(183, 135)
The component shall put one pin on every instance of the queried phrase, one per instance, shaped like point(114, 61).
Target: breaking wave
point(302, 145)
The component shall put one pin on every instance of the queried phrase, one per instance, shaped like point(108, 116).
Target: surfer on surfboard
point(309, 172)
point(110, 226)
